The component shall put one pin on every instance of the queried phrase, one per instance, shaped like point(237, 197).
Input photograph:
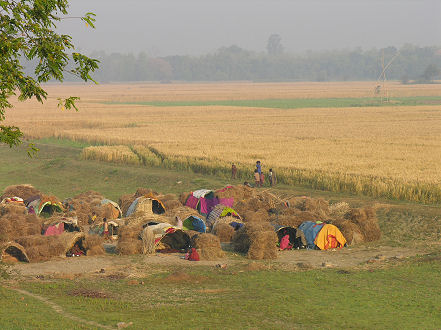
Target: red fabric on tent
point(57, 229)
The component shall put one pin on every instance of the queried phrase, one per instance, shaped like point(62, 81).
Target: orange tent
point(329, 237)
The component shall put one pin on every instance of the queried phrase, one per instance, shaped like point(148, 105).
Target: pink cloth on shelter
point(57, 229)
point(284, 243)
point(192, 202)
point(203, 206)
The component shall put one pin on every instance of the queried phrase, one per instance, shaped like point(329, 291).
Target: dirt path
point(58, 309)
point(140, 266)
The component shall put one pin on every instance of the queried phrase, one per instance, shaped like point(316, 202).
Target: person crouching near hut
point(256, 178)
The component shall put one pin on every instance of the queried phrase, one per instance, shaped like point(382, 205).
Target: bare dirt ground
point(141, 266)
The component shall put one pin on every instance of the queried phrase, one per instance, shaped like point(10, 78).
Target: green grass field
point(302, 103)
point(401, 294)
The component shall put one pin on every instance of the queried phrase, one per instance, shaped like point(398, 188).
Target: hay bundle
point(86, 203)
point(129, 241)
point(183, 197)
point(148, 241)
point(339, 210)
point(16, 223)
point(239, 193)
point(41, 248)
point(182, 212)
point(317, 206)
point(12, 252)
point(208, 246)
point(367, 220)
point(258, 240)
point(145, 192)
point(350, 230)
point(23, 191)
point(168, 197)
point(224, 231)
point(256, 216)
point(172, 204)
point(93, 244)
point(124, 202)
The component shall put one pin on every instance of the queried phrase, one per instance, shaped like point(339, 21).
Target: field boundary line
point(58, 309)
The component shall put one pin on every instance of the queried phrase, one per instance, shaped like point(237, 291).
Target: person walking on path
point(272, 177)
point(233, 171)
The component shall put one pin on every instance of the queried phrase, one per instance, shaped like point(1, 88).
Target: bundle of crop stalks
point(12, 252)
point(23, 191)
point(224, 231)
point(294, 217)
point(129, 241)
point(208, 246)
point(42, 248)
point(93, 244)
point(145, 192)
point(339, 210)
point(183, 197)
point(257, 239)
point(148, 240)
point(141, 218)
point(317, 206)
point(85, 204)
point(239, 193)
point(16, 223)
point(125, 201)
point(256, 216)
point(172, 204)
point(350, 230)
point(183, 212)
point(366, 219)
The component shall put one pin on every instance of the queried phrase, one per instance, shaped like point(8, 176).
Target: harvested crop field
point(377, 149)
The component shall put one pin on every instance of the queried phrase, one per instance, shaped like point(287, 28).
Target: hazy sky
point(178, 27)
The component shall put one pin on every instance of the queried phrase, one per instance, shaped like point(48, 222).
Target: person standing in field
point(259, 170)
point(272, 177)
point(233, 171)
point(256, 178)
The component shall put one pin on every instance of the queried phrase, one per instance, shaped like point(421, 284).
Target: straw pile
point(15, 223)
point(93, 244)
point(350, 230)
point(183, 197)
point(182, 212)
point(258, 240)
point(129, 241)
point(171, 204)
point(145, 192)
point(23, 191)
point(42, 248)
point(86, 203)
point(239, 193)
point(124, 202)
point(256, 216)
point(317, 206)
point(148, 241)
point(339, 210)
point(208, 246)
point(224, 231)
point(367, 221)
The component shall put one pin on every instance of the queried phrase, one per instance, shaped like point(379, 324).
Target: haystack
point(15, 223)
point(148, 240)
point(258, 240)
point(93, 244)
point(172, 204)
point(23, 191)
point(182, 212)
point(208, 246)
point(260, 215)
point(125, 201)
point(239, 193)
point(129, 241)
point(41, 248)
point(339, 210)
point(12, 252)
point(350, 230)
point(145, 192)
point(366, 219)
point(224, 231)
point(86, 203)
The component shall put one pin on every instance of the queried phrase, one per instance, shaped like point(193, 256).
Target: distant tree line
point(413, 64)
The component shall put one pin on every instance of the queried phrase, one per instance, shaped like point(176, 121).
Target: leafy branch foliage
point(28, 33)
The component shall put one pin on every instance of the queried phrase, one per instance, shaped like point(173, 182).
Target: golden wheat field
point(392, 151)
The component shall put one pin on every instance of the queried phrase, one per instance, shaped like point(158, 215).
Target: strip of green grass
point(301, 103)
point(404, 296)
